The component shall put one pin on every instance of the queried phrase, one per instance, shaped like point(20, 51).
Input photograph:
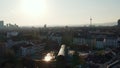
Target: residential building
point(100, 43)
point(56, 37)
point(13, 33)
point(27, 50)
point(111, 42)
point(79, 39)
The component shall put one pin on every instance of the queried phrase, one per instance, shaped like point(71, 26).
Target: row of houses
point(22, 49)
point(32, 50)
point(26, 48)
point(97, 40)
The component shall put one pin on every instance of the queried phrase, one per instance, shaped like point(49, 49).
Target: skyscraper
point(119, 22)
point(1, 24)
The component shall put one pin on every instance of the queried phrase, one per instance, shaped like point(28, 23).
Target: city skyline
point(59, 12)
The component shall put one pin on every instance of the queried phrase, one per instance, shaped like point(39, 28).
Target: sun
point(33, 7)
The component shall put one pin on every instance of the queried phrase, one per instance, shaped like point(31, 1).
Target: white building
point(79, 41)
point(111, 42)
point(56, 37)
point(31, 50)
point(9, 43)
point(11, 34)
point(100, 42)
point(27, 50)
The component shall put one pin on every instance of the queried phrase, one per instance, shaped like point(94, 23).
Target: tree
point(67, 38)
point(9, 53)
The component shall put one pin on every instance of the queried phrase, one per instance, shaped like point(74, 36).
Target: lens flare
point(48, 57)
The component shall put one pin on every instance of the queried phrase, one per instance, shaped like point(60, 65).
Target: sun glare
point(48, 57)
point(33, 7)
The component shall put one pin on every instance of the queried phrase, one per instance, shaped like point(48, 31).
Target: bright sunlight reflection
point(48, 57)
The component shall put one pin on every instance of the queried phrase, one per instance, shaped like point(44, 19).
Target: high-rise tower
point(1, 24)
point(90, 21)
point(119, 22)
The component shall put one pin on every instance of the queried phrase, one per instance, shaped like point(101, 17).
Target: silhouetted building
point(12, 25)
point(119, 22)
point(1, 24)
point(45, 26)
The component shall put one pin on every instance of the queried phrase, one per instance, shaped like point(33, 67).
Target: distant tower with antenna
point(90, 21)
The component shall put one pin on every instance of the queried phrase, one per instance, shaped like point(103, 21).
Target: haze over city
point(59, 12)
point(59, 34)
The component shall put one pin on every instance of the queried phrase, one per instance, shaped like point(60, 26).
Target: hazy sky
point(59, 12)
